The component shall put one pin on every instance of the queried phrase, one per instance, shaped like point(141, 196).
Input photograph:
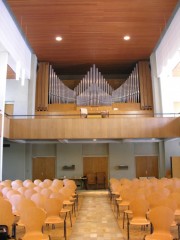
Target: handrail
point(93, 114)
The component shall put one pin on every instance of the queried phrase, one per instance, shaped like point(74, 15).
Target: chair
point(37, 182)
point(33, 219)
point(64, 210)
point(53, 207)
point(101, 179)
point(161, 218)
point(139, 208)
point(91, 180)
point(6, 216)
point(38, 199)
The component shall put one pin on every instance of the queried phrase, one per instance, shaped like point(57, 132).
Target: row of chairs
point(153, 202)
point(37, 208)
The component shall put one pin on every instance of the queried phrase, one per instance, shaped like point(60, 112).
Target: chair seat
point(54, 220)
point(139, 221)
point(159, 236)
point(177, 212)
point(67, 203)
point(35, 236)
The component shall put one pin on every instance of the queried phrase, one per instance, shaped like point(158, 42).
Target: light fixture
point(58, 38)
point(127, 37)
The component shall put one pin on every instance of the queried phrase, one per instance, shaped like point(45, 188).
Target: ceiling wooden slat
point(92, 32)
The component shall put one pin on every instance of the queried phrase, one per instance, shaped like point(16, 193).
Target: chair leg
point(128, 230)
point(65, 229)
point(124, 214)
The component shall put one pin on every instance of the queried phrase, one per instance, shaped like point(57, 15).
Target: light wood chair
point(139, 208)
point(39, 200)
point(33, 219)
point(6, 216)
point(161, 218)
point(53, 207)
point(91, 180)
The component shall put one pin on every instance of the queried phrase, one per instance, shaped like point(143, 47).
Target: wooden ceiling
point(92, 32)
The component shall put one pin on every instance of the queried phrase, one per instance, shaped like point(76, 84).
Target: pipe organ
point(93, 89)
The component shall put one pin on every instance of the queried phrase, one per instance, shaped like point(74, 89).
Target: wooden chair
point(39, 200)
point(101, 180)
point(161, 218)
point(6, 216)
point(139, 208)
point(33, 219)
point(91, 180)
point(53, 207)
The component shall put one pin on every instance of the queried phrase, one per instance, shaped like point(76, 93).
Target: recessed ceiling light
point(127, 37)
point(94, 140)
point(58, 38)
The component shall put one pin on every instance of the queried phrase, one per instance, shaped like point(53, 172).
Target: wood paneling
point(100, 128)
point(42, 87)
point(145, 82)
point(6, 127)
point(92, 31)
point(9, 109)
point(147, 166)
point(43, 168)
point(175, 166)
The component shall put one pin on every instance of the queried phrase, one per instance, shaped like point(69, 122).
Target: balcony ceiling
point(92, 32)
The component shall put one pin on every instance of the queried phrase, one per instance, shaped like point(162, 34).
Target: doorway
point(94, 165)
point(43, 168)
point(147, 166)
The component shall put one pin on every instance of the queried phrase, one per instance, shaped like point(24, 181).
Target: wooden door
point(43, 168)
point(175, 166)
point(146, 166)
point(94, 165)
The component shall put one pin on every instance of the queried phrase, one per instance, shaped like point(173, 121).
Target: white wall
point(121, 154)
point(19, 95)
point(14, 161)
point(67, 155)
point(17, 160)
point(172, 148)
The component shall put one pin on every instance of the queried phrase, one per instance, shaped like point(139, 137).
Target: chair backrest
point(11, 192)
point(139, 208)
point(37, 182)
point(91, 178)
point(176, 197)
point(101, 177)
point(161, 218)
point(16, 184)
point(14, 200)
point(57, 195)
point(29, 192)
point(33, 218)
point(48, 182)
point(46, 192)
point(57, 183)
point(23, 204)
point(6, 215)
point(38, 199)
point(53, 206)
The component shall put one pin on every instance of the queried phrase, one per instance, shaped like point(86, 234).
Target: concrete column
point(32, 86)
point(3, 76)
point(157, 100)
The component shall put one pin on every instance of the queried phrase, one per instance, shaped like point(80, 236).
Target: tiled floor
point(95, 219)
